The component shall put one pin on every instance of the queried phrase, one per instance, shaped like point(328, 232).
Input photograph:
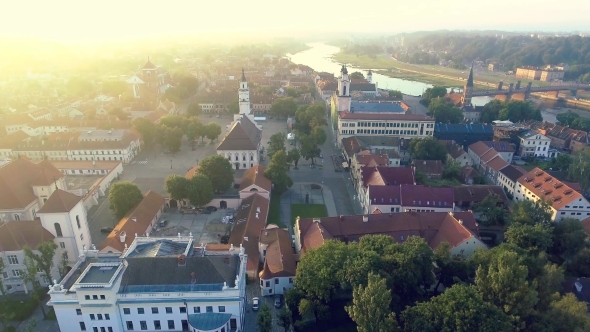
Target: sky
point(82, 20)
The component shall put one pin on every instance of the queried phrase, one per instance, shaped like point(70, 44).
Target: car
point(106, 229)
point(163, 223)
point(255, 304)
point(217, 116)
point(278, 301)
point(211, 208)
point(206, 211)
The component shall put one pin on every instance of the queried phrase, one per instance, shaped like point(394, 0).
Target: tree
point(531, 213)
point(264, 319)
point(177, 187)
point(432, 93)
point(192, 132)
point(444, 111)
point(199, 190)
point(293, 156)
point(536, 238)
point(319, 135)
point(284, 318)
point(517, 111)
point(233, 107)
point(213, 130)
point(370, 307)
point(452, 170)
point(427, 149)
point(491, 213)
point(277, 172)
point(194, 109)
point(174, 121)
point(491, 111)
point(568, 314)
point(449, 269)
point(309, 148)
point(172, 139)
point(395, 94)
point(503, 283)
point(147, 130)
point(566, 119)
point(357, 75)
point(29, 276)
point(219, 171)
point(579, 170)
point(123, 196)
point(276, 143)
point(560, 163)
point(283, 107)
point(44, 261)
point(114, 88)
point(569, 238)
point(459, 309)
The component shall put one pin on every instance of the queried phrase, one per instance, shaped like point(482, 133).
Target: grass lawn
point(274, 211)
point(307, 211)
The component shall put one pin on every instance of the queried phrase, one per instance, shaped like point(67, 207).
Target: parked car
point(206, 211)
point(211, 208)
point(106, 229)
point(278, 302)
point(163, 223)
point(255, 303)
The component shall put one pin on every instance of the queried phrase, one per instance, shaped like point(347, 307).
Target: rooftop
point(548, 188)
point(379, 107)
point(383, 116)
point(99, 273)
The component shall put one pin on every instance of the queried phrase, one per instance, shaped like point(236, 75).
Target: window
point(95, 297)
point(62, 245)
point(58, 230)
point(221, 308)
point(102, 329)
point(209, 309)
point(276, 281)
point(102, 297)
point(129, 325)
point(87, 297)
point(183, 310)
point(126, 311)
point(16, 273)
point(107, 316)
point(171, 324)
point(197, 310)
point(79, 312)
point(81, 237)
point(99, 316)
point(154, 310)
point(92, 317)
point(16, 217)
point(143, 325)
point(157, 325)
point(82, 326)
point(12, 260)
point(110, 329)
point(140, 311)
point(168, 310)
point(290, 280)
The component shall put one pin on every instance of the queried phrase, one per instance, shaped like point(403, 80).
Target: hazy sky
point(91, 19)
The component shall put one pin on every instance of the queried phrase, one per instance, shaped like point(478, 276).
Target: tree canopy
point(219, 171)
point(370, 307)
point(513, 110)
point(277, 172)
point(444, 111)
point(123, 196)
point(283, 107)
point(427, 148)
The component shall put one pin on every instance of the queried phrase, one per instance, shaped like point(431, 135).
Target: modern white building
point(534, 144)
point(384, 124)
point(158, 284)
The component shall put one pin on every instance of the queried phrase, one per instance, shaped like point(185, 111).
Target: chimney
point(122, 237)
point(182, 260)
point(365, 218)
point(578, 286)
point(258, 209)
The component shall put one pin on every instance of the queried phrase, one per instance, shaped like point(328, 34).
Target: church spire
point(243, 76)
point(470, 78)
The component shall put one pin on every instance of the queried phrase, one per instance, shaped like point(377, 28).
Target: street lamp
point(170, 163)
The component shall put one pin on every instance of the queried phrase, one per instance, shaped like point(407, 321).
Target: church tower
point(468, 89)
point(370, 76)
point(244, 95)
point(344, 90)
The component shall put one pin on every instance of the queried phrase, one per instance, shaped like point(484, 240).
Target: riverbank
point(432, 74)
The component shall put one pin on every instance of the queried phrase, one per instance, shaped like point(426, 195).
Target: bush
point(9, 328)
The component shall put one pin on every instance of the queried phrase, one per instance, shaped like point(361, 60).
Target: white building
point(241, 145)
point(384, 124)
point(276, 251)
point(565, 201)
point(244, 95)
point(163, 284)
point(508, 177)
point(533, 144)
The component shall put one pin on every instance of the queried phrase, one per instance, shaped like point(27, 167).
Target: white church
point(242, 143)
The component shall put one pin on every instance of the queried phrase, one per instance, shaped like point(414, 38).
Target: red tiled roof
point(421, 196)
point(15, 235)
point(383, 116)
point(366, 158)
point(255, 175)
point(280, 258)
point(192, 172)
point(249, 222)
point(60, 201)
point(548, 188)
point(429, 166)
point(385, 176)
point(479, 148)
point(497, 163)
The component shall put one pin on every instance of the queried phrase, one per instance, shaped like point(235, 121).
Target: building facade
point(534, 144)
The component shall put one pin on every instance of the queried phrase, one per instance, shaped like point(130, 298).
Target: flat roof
point(98, 274)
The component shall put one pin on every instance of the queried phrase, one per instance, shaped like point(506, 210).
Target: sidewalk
point(42, 325)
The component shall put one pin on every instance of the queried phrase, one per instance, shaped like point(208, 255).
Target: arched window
point(78, 221)
point(58, 229)
point(16, 217)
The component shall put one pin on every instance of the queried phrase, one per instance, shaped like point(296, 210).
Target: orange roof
point(60, 201)
point(249, 222)
point(366, 158)
point(192, 172)
point(134, 222)
point(280, 258)
point(455, 98)
point(255, 176)
point(15, 235)
point(549, 188)
point(17, 179)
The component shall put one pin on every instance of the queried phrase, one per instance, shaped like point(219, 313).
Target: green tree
point(452, 170)
point(560, 163)
point(531, 213)
point(566, 119)
point(123, 196)
point(569, 238)
point(147, 130)
point(459, 309)
point(29, 276)
point(199, 190)
point(219, 170)
point(427, 149)
point(213, 130)
point(449, 269)
point(568, 314)
point(277, 172)
point(194, 109)
point(233, 107)
point(174, 121)
point(264, 319)
point(579, 170)
point(357, 75)
point(276, 144)
point(284, 318)
point(319, 135)
point(293, 156)
point(536, 238)
point(283, 107)
point(176, 186)
point(192, 132)
point(44, 261)
point(395, 94)
point(370, 307)
point(517, 111)
point(309, 148)
point(444, 111)
point(504, 284)
point(172, 139)
point(433, 93)
point(114, 88)
point(491, 213)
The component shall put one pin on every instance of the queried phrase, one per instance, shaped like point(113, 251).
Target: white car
point(255, 303)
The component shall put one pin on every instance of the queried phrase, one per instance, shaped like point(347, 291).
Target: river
point(319, 57)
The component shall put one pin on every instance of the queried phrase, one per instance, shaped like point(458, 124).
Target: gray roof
point(511, 173)
point(244, 135)
point(167, 273)
point(208, 321)
point(159, 249)
point(362, 87)
point(376, 107)
point(98, 274)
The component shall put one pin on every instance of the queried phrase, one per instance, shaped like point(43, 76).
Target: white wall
point(249, 162)
point(275, 286)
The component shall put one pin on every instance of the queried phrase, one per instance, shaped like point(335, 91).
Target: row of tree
point(573, 120)
point(391, 286)
point(513, 110)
